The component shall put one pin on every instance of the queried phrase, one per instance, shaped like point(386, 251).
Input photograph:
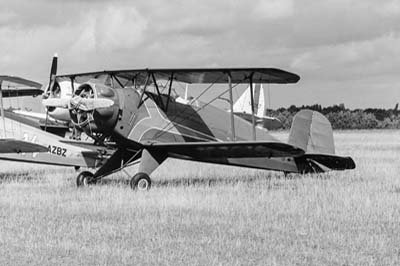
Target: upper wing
point(21, 81)
point(17, 146)
point(32, 90)
point(196, 75)
point(240, 149)
point(21, 92)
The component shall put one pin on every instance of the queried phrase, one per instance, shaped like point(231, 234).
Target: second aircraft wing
point(17, 146)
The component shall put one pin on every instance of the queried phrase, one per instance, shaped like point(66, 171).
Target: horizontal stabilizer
point(319, 163)
point(242, 149)
point(270, 123)
point(17, 146)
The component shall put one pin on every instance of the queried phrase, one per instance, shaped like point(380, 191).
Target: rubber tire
point(140, 182)
point(85, 179)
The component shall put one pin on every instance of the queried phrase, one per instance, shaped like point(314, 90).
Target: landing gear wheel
point(85, 179)
point(140, 182)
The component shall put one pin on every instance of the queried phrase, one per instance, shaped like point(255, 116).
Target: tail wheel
point(141, 182)
point(85, 179)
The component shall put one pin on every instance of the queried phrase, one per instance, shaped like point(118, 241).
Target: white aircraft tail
point(243, 104)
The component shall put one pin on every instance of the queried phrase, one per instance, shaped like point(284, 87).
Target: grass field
point(201, 214)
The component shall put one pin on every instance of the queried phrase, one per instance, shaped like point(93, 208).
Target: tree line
point(343, 118)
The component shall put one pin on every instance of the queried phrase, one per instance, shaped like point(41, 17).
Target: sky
point(345, 51)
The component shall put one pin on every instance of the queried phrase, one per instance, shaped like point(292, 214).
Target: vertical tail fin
point(312, 132)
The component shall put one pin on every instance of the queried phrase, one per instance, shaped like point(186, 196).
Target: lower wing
point(239, 149)
point(17, 146)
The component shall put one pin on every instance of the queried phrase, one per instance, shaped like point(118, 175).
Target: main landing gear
point(139, 182)
point(148, 162)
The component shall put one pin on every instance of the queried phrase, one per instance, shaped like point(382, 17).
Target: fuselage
point(196, 122)
point(191, 122)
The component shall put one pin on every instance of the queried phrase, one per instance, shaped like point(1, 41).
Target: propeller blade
point(53, 73)
point(53, 69)
point(90, 104)
point(56, 102)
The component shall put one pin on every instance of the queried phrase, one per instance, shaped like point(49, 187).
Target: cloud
point(353, 60)
point(273, 9)
point(6, 16)
point(389, 8)
point(331, 42)
point(118, 27)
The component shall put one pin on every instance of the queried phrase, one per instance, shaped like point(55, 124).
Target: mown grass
point(200, 214)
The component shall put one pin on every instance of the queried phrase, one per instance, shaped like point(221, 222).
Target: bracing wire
point(170, 125)
point(172, 121)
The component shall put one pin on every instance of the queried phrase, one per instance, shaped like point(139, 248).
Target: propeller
point(77, 102)
point(89, 104)
point(56, 102)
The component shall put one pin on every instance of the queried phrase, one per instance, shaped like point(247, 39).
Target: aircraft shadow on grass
point(19, 176)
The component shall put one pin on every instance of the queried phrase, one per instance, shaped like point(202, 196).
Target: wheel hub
point(143, 184)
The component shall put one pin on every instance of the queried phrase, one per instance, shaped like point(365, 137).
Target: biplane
point(12, 145)
point(137, 111)
point(23, 139)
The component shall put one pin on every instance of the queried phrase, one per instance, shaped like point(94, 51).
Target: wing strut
point(253, 119)
point(144, 90)
point(118, 81)
point(158, 91)
point(231, 106)
point(2, 109)
point(169, 91)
